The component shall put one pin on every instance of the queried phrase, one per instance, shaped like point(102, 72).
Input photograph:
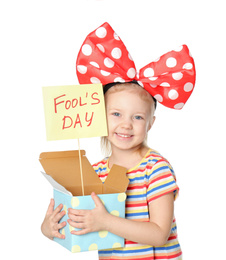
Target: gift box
point(72, 188)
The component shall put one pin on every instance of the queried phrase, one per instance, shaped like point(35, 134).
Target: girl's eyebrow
point(113, 108)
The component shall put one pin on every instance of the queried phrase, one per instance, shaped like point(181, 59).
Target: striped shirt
point(152, 178)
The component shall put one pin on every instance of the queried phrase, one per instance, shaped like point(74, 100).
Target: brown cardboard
point(64, 168)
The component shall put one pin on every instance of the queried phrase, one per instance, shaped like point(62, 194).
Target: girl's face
point(129, 118)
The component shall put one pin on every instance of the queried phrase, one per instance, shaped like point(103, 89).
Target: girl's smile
point(123, 135)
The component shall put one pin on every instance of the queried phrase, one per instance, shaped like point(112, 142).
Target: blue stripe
point(108, 252)
point(167, 247)
point(100, 169)
point(136, 196)
point(161, 168)
point(135, 250)
point(144, 164)
point(136, 179)
point(128, 251)
point(160, 187)
point(137, 214)
point(174, 229)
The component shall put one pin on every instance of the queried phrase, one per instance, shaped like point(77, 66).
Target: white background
point(39, 45)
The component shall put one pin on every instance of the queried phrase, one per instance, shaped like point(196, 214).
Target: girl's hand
point(50, 226)
point(88, 220)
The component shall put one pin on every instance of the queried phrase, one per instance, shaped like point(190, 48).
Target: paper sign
point(74, 111)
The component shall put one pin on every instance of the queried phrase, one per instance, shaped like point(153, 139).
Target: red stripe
point(136, 205)
point(172, 238)
point(98, 164)
point(127, 242)
point(156, 197)
point(131, 187)
point(134, 258)
point(103, 175)
point(165, 175)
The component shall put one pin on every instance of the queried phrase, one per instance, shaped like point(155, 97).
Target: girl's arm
point(155, 232)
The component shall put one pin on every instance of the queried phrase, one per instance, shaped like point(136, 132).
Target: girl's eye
point(138, 117)
point(116, 114)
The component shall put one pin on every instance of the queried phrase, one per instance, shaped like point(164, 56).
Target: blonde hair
point(132, 87)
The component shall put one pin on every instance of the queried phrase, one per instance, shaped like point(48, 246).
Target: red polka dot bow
point(103, 58)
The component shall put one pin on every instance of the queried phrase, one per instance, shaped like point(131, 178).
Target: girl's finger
point(96, 199)
point(80, 225)
point(76, 218)
point(80, 232)
point(61, 225)
point(50, 207)
point(59, 235)
point(58, 209)
point(59, 216)
point(78, 212)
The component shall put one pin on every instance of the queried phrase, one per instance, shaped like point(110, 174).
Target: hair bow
point(103, 58)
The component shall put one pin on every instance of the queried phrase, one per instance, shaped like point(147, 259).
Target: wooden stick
point(80, 164)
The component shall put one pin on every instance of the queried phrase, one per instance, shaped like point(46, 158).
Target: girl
point(149, 228)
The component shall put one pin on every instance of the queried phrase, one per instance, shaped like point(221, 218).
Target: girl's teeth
point(124, 135)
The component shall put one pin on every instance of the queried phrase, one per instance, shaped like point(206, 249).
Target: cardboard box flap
point(60, 154)
point(117, 181)
point(64, 168)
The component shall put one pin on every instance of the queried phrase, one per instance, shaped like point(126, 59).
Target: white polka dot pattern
point(114, 203)
point(104, 58)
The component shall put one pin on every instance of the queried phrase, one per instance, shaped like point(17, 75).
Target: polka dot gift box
point(114, 203)
point(62, 170)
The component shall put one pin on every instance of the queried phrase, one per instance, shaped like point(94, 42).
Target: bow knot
point(103, 58)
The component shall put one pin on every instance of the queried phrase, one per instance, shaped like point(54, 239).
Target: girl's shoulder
point(154, 156)
point(153, 160)
point(157, 162)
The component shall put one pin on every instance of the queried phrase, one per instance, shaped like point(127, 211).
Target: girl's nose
point(127, 123)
